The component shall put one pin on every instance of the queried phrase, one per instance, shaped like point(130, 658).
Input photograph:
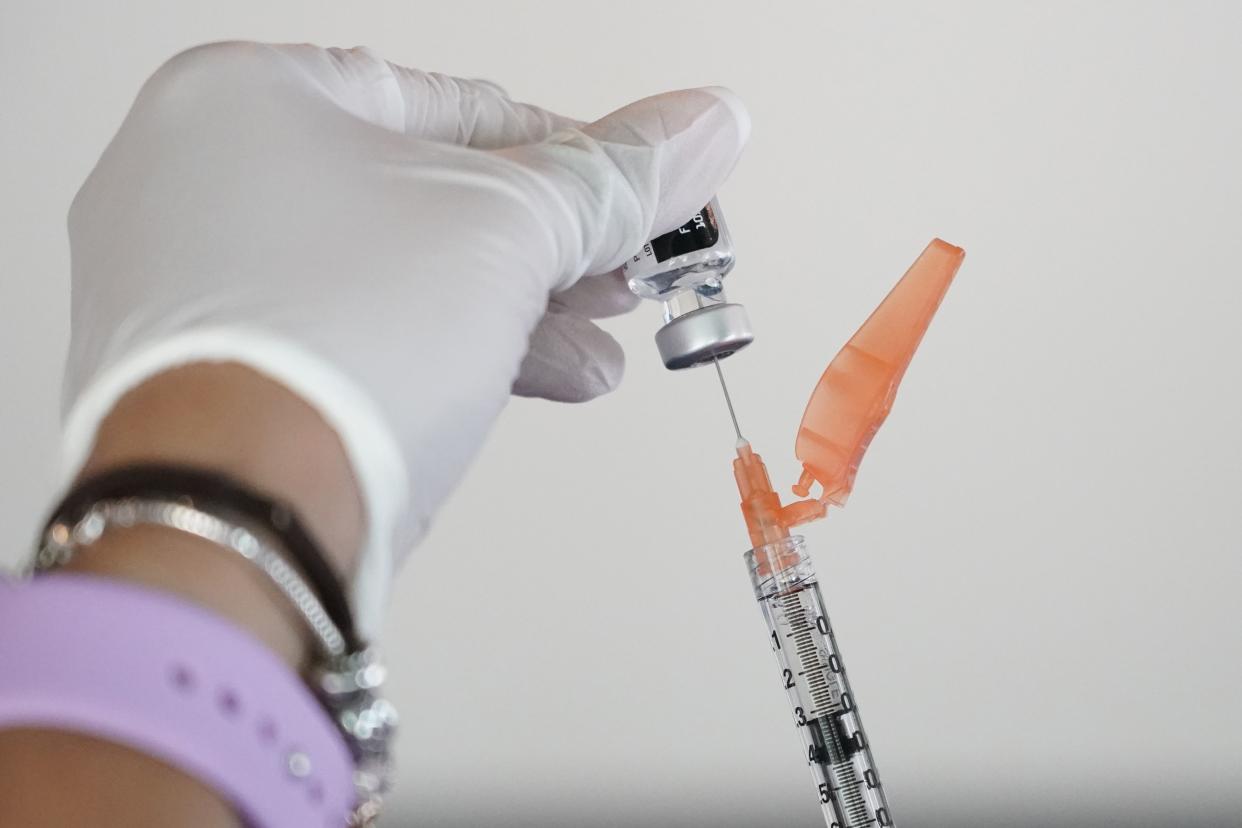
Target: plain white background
point(1036, 582)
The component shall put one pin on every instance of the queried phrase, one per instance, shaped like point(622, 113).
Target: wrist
point(228, 419)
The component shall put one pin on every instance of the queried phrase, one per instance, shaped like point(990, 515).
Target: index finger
point(426, 105)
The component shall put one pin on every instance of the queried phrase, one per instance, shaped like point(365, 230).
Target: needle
point(728, 401)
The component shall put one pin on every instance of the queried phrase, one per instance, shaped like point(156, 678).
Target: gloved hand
point(386, 243)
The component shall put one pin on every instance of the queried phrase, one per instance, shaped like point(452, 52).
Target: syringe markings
point(849, 787)
point(807, 651)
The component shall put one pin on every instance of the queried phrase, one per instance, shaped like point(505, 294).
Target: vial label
point(699, 233)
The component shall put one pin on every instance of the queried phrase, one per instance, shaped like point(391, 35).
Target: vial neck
point(706, 294)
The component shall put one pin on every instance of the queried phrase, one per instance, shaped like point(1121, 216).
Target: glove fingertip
point(597, 297)
point(733, 101)
point(570, 360)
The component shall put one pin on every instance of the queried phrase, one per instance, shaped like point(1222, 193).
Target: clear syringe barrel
point(825, 710)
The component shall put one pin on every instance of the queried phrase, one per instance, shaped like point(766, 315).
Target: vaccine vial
point(685, 269)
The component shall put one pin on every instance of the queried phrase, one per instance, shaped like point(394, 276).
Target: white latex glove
point(384, 242)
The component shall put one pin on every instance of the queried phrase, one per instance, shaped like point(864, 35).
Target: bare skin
point(229, 419)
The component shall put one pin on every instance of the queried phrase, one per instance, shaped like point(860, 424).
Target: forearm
point(228, 419)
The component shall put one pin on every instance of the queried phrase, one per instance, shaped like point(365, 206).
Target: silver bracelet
point(346, 683)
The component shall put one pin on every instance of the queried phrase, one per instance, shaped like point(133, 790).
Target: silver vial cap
point(698, 336)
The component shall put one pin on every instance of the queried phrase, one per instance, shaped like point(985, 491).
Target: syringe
point(825, 709)
point(849, 404)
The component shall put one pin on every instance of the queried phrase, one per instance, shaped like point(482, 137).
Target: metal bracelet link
point(348, 688)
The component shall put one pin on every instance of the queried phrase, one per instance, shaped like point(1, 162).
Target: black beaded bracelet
point(213, 492)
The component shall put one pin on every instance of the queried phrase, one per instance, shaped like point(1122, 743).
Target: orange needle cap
point(857, 390)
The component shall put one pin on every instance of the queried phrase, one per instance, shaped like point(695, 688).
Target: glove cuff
point(373, 451)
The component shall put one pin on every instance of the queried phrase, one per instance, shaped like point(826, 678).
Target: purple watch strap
point(170, 679)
